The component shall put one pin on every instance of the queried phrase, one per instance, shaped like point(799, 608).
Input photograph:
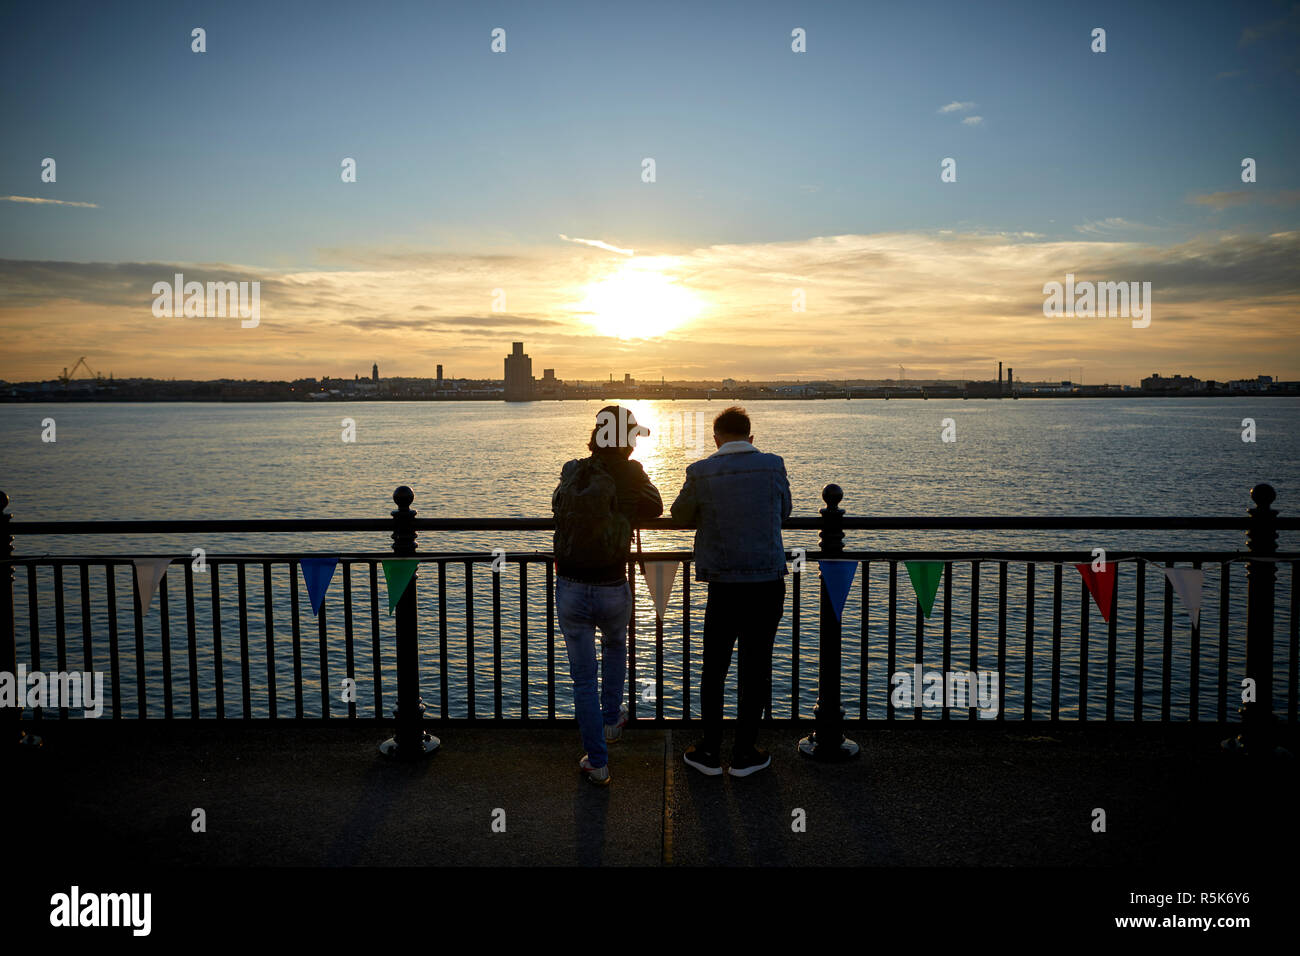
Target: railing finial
point(1263, 495)
point(832, 531)
point(403, 521)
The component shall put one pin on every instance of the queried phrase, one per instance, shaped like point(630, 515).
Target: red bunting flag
point(1101, 585)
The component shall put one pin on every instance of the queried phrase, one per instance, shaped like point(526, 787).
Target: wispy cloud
point(599, 244)
point(972, 121)
point(1244, 197)
point(1282, 197)
point(49, 202)
point(1286, 24)
point(1112, 225)
point(956, 106)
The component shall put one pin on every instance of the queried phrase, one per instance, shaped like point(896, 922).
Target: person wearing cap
point(597, 503)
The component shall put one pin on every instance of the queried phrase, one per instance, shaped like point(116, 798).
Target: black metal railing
point(293, 681)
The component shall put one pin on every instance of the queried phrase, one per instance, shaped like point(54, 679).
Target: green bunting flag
point(925, 577)
point(397, 575)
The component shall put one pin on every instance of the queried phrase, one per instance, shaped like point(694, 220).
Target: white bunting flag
point(659, 578)
point(1187, 584)
point(148, 572)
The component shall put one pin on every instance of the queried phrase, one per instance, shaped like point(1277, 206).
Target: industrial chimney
point(999, 378)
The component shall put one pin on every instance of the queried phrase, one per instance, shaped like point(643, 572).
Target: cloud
point(48, 202)
point(948, 302)
point(1244, 197)
point(1222, 200)
point(972, 121)
point(394, 322)
point(390, 258)
point(1110, 226)
point(599, 244)
point(1287, 24)
point(956, 107)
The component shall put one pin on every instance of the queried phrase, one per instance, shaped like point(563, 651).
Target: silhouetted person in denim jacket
point(736, 499)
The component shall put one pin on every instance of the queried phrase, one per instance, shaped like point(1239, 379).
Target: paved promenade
point(323, 796)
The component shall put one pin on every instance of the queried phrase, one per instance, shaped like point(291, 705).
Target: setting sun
point(638, 301)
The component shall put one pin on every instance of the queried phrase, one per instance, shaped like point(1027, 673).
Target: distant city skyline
point(518, 377)
point(792, 221)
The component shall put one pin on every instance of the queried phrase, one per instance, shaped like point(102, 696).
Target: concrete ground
point(288, 794)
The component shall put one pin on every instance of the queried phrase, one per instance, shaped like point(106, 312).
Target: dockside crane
point(66, 377)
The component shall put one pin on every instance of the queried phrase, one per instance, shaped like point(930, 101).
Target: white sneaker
point(614, 732)
point(597, 775)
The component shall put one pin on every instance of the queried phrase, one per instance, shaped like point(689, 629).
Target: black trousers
point(747, 613)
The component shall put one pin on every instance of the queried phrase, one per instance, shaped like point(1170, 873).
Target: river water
point(474, 459)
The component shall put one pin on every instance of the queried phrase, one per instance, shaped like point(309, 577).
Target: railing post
point(10, 716)
point(411, 740)
point(8, 647)
point(1261, 583)
point(827, 742)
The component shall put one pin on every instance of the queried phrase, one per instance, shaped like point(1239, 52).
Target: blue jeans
point(581, 609)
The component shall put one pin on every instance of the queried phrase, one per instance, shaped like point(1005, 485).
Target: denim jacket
point(736, 499)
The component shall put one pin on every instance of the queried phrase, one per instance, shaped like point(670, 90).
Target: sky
point(797, 225)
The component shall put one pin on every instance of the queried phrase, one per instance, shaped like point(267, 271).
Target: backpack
point(590, 530)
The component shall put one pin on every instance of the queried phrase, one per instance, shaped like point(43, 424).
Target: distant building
point(1260, 383)
point(1048, 388)
point(374, 372)
point(548, 386)
point(519, 375)
point(1158, 383)
point(440, 376)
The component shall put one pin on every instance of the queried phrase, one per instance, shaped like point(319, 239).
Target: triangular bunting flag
point(148, 572)
point(659, 578)
point(1187, 584)
point(397, 574)
point(317, 572)
point(837, 576)
point(1101, 585)
point(925, 576)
